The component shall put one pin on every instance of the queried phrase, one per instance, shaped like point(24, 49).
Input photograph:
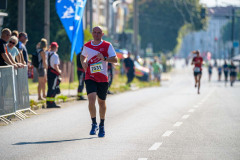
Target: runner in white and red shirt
point(95, 57)
point(197, 70)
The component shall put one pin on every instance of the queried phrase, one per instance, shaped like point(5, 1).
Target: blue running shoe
point(101, 132)
point(94, 129)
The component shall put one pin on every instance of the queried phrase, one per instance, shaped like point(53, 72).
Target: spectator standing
point(12, 49)
point(42, 78)
point(156, 70)
point(19, 44)
point(23, 38)
point(4, 56)
point(110, 76)
point(128, 65)
point(151, 75)
point(81, 78)
point(53, 73)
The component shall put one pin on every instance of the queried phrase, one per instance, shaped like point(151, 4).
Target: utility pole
point(47, 20)
point(91, 14)
point(136, 27)
point(84, 20)
point(108, 16)
point(233, 31)
point(21, 15)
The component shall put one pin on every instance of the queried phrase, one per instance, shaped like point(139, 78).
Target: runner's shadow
point(60, 141)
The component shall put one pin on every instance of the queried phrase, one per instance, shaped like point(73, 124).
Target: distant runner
point(210, 71)
point(197, 62)
point(219, 72)
point(233, 73)
point(225, 71)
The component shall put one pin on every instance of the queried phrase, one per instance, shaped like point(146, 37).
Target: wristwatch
point(105, 58)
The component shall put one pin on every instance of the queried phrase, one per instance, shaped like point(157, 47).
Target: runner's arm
point(113, 59)
point(83, 60)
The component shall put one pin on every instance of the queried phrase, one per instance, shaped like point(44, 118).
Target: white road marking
point(167, 133)
point(155, 146)
point(185, 116)
point(177, 124)
point(142, 158)
point(196, 106)
point(191, 110)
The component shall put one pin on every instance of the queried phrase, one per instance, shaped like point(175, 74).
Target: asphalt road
point(171, 122)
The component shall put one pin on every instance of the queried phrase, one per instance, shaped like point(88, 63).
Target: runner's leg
point(102, 108)
point(91, 104)
point(195, 77)
point(199, 84)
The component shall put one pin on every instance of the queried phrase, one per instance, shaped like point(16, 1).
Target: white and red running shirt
point(97, 68)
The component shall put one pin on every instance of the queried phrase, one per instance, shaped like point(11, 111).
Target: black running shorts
point(100, 88)
point(197, 73)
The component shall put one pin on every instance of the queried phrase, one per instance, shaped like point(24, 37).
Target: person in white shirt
point(53, 74)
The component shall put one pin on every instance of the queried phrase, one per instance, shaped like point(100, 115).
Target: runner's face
point(97, 34)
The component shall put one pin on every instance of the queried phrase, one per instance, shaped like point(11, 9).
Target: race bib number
point(96, 67)
point(197, 69)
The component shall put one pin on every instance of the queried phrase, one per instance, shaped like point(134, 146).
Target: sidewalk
point(68, 93)
point(73, 92)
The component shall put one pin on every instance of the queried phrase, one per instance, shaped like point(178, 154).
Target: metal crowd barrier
point(14, 93)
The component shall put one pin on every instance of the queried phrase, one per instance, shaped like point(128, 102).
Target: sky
point(212, 3)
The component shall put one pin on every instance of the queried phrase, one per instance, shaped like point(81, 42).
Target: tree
point(35, 25)
point(161, 20)
point(226, 31)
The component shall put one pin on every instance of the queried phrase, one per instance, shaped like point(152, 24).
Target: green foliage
point(35, 25)
point(87, 35)
point(227, 31)
point(182, 32)
point(34, 21)
point(161, 21)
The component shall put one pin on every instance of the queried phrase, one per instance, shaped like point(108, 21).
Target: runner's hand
point(84, 65)
point(100, 56)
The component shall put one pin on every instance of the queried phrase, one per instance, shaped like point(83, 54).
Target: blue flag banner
point(70, 13)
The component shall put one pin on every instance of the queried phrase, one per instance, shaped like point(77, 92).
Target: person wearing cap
point(53, 75)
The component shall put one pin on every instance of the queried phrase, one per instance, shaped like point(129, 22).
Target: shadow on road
point(60, 141)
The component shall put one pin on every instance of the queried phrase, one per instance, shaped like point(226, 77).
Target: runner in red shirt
point(197, 70)
point(95, 57)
